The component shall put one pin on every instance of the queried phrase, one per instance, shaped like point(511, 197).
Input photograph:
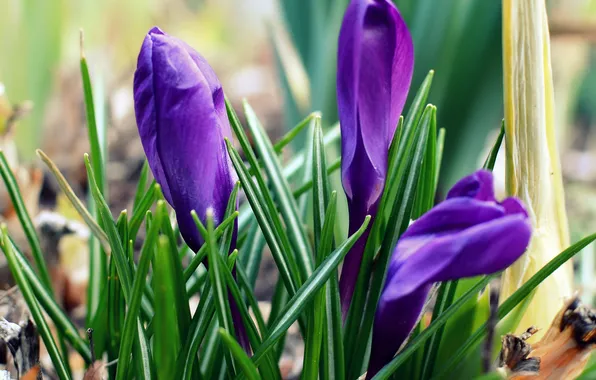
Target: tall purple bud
point(181, 115)
point(375, 61)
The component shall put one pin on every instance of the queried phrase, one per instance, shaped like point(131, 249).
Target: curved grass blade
point(199, 327)
point(489, 163)
point(270, 371)
point(306, 186)
point(306, 293)
point(222, 305)
point(292, 133)
point(97, 132)
point(28, 227)
point(141, 208)
point(284, 261)
point(131, 322)
point(200, 256)
point(36, 313)
point(141, 185)
point(168, 331)
point(244, 362)
point(76, 202)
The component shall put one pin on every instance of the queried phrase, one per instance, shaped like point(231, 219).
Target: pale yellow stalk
point(533, 171)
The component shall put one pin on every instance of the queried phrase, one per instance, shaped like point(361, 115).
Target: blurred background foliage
point(280, 55)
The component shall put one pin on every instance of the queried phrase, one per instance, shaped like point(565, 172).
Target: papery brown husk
point(563, 351)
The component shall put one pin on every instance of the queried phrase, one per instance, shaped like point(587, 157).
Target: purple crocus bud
point(469, 234)
point(181, 114)
point(375, 61)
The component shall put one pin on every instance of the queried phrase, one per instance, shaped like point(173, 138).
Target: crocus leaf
point(133, 296)
point(76, 202)
point(283, 259)
point(21, 211)
point(167, 335)
point(306, 293)
point(489, 163)
point(248, 368)
point(281, 190)
point(222, 305)
point(144, 204)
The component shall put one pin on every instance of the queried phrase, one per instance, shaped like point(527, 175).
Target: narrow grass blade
point(244, 362)
point(335, 165)
point(489, 163)
point(292, 133)
point(202, 254)
point(141, 185)
point(333, 347)
point(198, 328)
point(113, 236)
point(17, 271)
point(281, 190)
point(97, 260)
point(317, 338)
point(306, 293)
point(132, 330)
point(269, 370)
point(97, 154)
point(76, 202)
point(222, 306)
point(253, 253)
point(283, 259)
point(425, 191)
point(21, 210)
point(172, 284)
point(141, 208)
point(167, 337)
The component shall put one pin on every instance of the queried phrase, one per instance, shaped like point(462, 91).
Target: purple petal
point(375, 65)
point(478, 185)
point(182, 122)
point(144, 100)
point(454, 215)
point(482, 249)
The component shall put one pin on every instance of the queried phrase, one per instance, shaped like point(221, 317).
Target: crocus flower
point(375, 61)
point(469, 234)
point(182, 120)
point(533, 171)
point(181, 114)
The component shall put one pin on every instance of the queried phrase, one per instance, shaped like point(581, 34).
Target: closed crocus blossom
point(182, 120)
point(533, 171)
point(181, 114)
point(374, 70)
point(469, 234)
